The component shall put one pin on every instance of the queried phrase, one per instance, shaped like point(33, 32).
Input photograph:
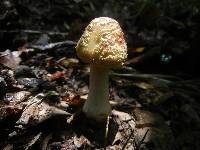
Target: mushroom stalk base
point(97, 105)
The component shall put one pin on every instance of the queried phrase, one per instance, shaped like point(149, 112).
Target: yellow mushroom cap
point(102, 43)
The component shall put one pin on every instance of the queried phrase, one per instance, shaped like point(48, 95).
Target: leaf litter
point(43, 84)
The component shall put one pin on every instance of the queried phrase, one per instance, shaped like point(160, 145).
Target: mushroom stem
point(97, 105)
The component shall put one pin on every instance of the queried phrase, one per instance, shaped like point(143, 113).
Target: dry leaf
point(10, 59)
point(38, 110)
point(80, 141)
point(137, 49)
point(10, 111)
point(126, 125)
point(74, 101)
point(16, 97)
point(56, 76)
point(69, 62)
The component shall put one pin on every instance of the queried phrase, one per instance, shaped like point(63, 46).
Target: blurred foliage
point(171, 25)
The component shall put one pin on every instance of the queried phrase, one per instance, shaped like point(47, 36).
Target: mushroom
point(102, 45)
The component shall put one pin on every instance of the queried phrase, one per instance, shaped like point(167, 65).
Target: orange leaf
point(74, 101)
point(56, 76)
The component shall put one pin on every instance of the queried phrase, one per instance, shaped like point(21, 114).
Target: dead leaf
point(80, 141)
point(74, 100)
point(137, 49)
point(16, 97)
point(10, 111)
point(57, 75)
point(69, 62)
point(10, 59)
point(38, 110)
point(126, 125)
point(158, 132)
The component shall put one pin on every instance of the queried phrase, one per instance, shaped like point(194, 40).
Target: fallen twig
point(35, 138)
point(146, 76)
point(106, 132)
point(53, 45)
point(8, 147)
point(34, 32)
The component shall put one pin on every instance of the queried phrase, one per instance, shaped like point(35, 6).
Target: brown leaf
point(74, 100)
point(69, 62)
point(10, 111)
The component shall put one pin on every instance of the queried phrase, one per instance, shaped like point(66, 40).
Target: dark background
point(168, 29)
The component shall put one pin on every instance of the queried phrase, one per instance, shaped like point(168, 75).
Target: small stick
point(106, 131)
point(53, 45)
point(29, 31)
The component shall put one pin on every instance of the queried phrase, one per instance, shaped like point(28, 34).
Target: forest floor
point(43, 84)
